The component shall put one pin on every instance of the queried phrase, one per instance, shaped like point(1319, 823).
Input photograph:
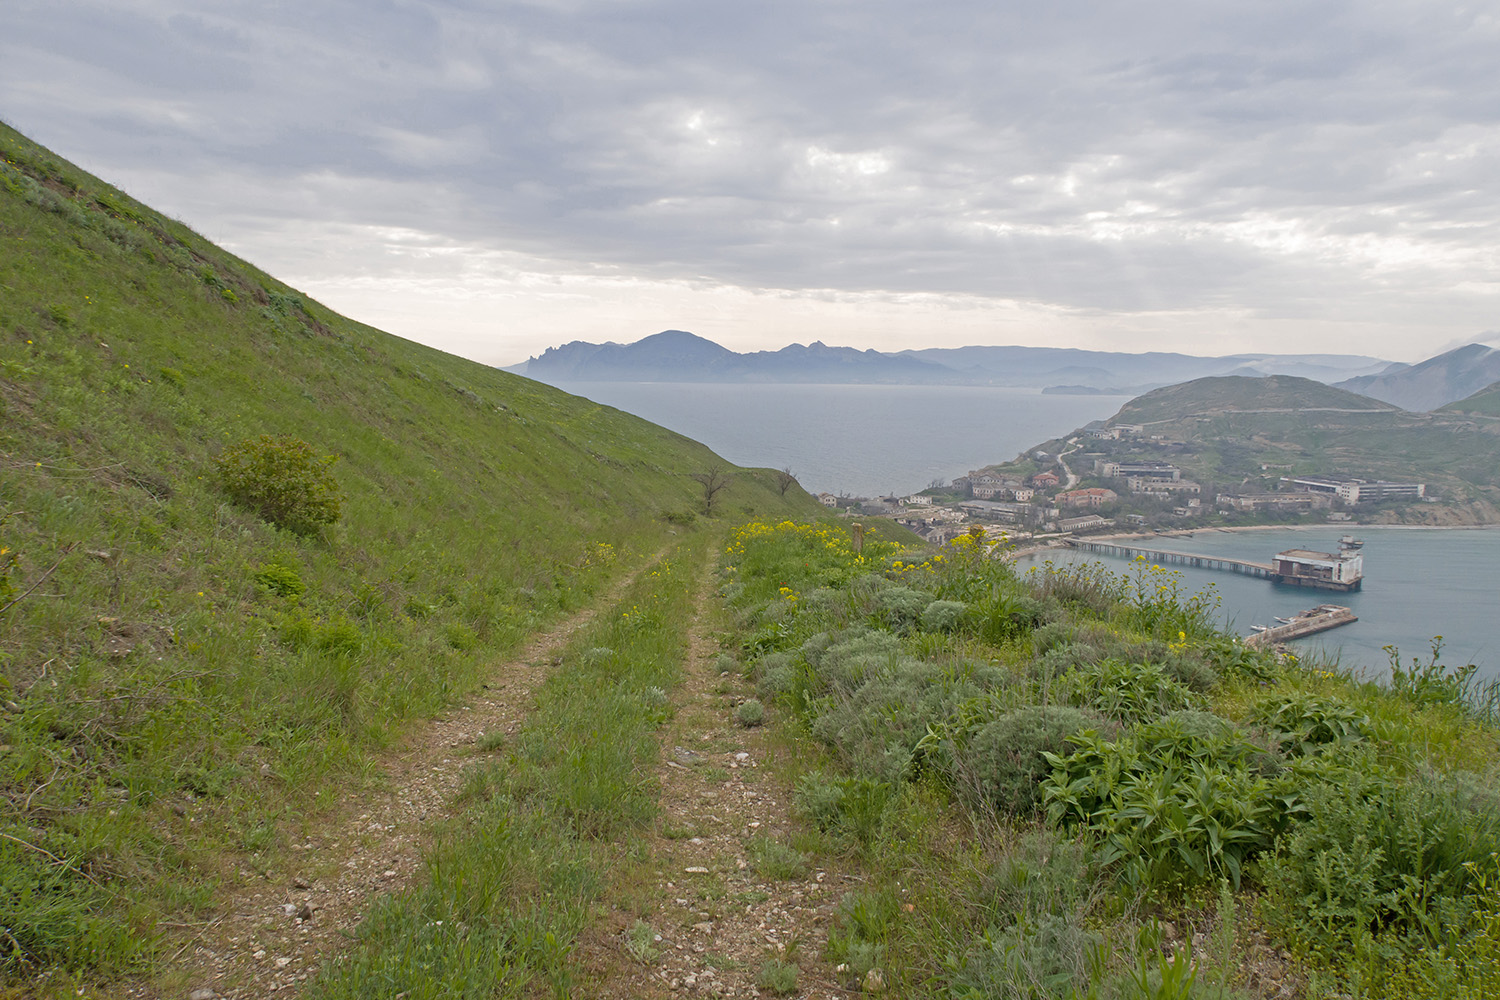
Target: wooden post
point(858, 530)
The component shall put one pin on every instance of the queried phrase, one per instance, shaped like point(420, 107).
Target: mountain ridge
point(1435, 382)
point(666, 357)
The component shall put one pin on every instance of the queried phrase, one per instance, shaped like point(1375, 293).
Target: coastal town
point(1111, 478)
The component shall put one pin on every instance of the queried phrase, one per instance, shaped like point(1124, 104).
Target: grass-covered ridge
point(1486, 401)
point(1072, 785)
point(179, 676)
point(1238, 392)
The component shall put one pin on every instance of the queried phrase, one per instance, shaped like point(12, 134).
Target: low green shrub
point(841, 660)
point(861, 930)
point(900, 608)
point(851, 807)
point(1399, 859)
point(1130, 692)
point(1305, 723)
point(943, 616)
point(279, 579)
point(1169, 801)
point(282, 480)
point(750, 713)
point(643, 943)
point(777, 977)
point(773, 859)
point(876, 728)
point(1052, 956)
point(1051, 635)
point(1004, 762)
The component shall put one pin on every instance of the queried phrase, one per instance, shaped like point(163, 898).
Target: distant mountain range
point(677, 356)
point(1432, 383)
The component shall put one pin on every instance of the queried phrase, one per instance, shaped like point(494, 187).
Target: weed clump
point(282, 480)
point(778, 977)
point(750, 713)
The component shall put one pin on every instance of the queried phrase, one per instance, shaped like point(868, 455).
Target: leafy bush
point(1305, 723)
point(1130, 692)
point(1011, 616)
point(279, 579)
point(282, 480)
point(1005, 761)
point(1430, 683)
point(1231, 658)
point(1168, 799)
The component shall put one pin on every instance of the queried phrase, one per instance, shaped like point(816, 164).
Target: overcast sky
point(494, 178)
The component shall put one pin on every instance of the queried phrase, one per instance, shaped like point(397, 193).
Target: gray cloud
point(1282, 160)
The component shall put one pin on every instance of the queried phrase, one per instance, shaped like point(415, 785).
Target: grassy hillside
point(1485, 401)
point(1238, 392)
point(182, 679)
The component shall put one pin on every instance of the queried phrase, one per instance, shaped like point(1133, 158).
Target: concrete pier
point(1167, 557)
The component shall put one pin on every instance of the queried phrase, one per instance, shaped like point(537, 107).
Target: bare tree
point(784, 480)
point(714, 481)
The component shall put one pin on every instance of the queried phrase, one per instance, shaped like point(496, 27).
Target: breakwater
point(1305, 623)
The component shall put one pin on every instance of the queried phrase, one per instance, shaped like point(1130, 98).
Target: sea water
point(1419, 583)
point(857, 440)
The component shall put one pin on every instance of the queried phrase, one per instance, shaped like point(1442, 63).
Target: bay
point(870, 440)
point(859, 440)
point(1418, 583)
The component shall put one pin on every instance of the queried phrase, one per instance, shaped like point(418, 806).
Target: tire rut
point(715, 918)
point(274, 931)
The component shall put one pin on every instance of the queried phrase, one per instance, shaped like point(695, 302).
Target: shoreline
point(1342, 527)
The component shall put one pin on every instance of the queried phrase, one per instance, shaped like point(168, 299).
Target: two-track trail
point(271, 933)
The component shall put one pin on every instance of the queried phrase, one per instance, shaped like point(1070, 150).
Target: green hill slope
point(1243, 394)
point(181, 678)
point(1486, 401)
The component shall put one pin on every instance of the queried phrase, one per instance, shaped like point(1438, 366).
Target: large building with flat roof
point(1353, 491)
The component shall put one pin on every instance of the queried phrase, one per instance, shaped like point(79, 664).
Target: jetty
point(1169, 557)
point(1303, 623)
point(1342, 570)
